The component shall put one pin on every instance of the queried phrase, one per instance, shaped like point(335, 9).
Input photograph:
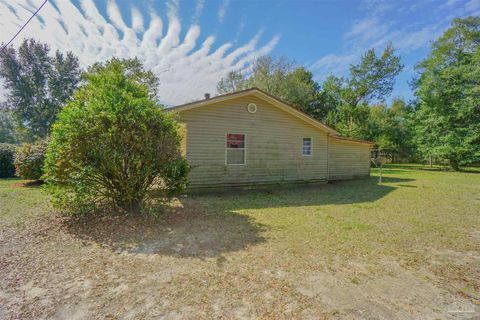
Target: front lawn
point(409, 248)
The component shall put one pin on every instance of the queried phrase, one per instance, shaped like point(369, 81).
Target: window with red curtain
point(235, 144)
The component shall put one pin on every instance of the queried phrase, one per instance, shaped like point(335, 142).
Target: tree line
point(441, 123)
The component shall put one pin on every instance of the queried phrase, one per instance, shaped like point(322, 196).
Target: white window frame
point(311, 147)
point(244, 150)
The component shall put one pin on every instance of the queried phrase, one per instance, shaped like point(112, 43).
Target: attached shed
point(250, 137)
point(348, 159)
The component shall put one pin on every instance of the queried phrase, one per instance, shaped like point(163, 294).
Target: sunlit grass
point(262, 249)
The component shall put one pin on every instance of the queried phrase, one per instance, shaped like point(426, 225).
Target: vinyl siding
point(273, 144)
point(348, 160)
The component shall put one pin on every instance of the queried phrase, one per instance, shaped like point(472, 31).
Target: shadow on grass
point(392, 167)
point(184, 232)
point(212, 224)
point(16, 182)
point(28, 184)
point(387, 170)
point(333, 193)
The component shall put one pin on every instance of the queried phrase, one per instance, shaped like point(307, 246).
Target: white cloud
point(223, 10)
point(416, 39)
point(366, 30)
point(137, 20)
point(377, 7)
point(198, 9)
point(473, 6)
point(187, 66)
point(332, 64)
point(383, 21)
point(450, 3)
point(240, 28)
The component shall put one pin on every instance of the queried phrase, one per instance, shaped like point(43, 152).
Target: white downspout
point(328, 157)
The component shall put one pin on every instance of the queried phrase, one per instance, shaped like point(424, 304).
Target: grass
point(324, 251)
point(21, 201)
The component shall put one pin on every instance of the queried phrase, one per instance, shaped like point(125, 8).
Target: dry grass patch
point(409, 248)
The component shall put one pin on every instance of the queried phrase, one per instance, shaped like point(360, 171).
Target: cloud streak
point(198, 9)
point(187, 66)
point(223, 10)
point(383, 21)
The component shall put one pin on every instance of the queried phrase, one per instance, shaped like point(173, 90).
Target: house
point(250, 137)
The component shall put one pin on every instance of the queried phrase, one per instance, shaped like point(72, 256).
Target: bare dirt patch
point(26, 184)
point(349, 250)
point(190, 266)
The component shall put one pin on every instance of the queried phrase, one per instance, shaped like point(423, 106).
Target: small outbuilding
point(250, 138)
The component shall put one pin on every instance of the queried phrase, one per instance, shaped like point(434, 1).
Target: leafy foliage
point(133, 69)
point(390, 128)
point(234, 81)
point(37, 84)
point(7, 158)
point(113, 144)
point(447, 120)
point(279, 77)
point(7, 126)
point(29, 160)
point(347, 99)
point(342, 103)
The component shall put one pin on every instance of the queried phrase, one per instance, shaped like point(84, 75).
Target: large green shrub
point(113, 144)
point(29, 160)
point(7, 158)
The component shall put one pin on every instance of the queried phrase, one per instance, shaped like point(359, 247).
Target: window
point(307, 147)
point(252, 108)
point(235, 148)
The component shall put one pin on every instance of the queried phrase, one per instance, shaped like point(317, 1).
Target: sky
point(191, 44)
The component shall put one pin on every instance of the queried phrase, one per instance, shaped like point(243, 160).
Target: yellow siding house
point(250, 138)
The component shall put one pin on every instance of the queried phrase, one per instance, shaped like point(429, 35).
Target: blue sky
point(191, 44)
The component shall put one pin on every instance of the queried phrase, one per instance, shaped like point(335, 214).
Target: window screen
point(307, 147)
point(235, 148)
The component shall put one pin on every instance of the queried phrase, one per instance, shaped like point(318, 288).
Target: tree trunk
point(133, 206)
point(454, 164)
point(430, 161)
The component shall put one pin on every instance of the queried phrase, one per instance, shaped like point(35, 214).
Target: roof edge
point(352, 140)
point(287, 107)
point(211, 99)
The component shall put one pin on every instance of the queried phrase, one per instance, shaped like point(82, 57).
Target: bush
point(113, 144)
point(7, 158)
point(29, 160)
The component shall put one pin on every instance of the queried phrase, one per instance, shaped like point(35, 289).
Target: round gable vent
point(252, 107)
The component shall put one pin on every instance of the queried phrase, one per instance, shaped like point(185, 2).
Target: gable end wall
point(273, 145)
point(348, 160)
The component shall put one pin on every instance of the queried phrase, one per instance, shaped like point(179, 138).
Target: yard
point(409, 248)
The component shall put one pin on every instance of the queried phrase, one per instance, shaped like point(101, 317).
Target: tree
point(37, 84)
point(234, 81)
point(373, 78)
point(113, 143)
point(447, 119)
point(133, 69)
point(390, 128)
point(7, 127)
point(301, 91)
point(279, 77)
point(347, 99)
point(29, 160)
point(7, 158)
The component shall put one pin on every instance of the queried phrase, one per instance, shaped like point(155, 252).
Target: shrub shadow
point(333, 193)
point(436, 168)
point(211, 224)
point(18, 183)
point(183, 232)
